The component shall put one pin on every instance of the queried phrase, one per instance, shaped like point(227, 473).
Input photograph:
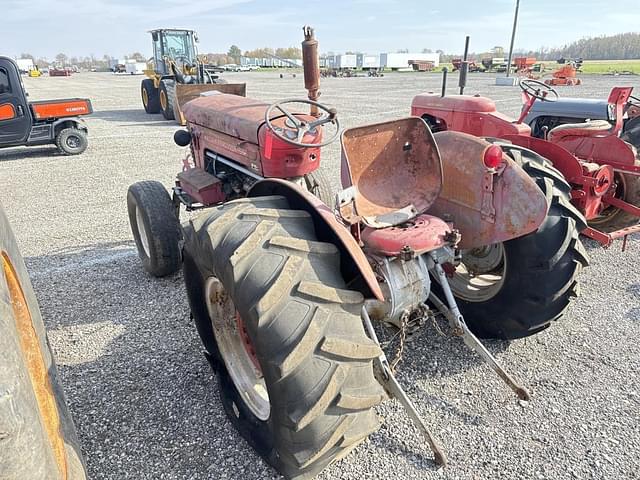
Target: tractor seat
point(393, 170)
point(421, 234)
point(592, 128)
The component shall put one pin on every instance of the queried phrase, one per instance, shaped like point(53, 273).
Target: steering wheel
point(538, 90)
point(300, 126)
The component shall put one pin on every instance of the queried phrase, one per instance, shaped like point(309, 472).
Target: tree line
point(623, 46)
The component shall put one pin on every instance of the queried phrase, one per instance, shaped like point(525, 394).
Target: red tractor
point(602, 170)
point(283, 285)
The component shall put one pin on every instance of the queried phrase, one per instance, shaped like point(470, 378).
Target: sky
point(119, 27)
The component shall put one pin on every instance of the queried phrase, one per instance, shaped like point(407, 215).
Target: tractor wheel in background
point(72, 141)
point(155, 227)
point(517, 288)
point(318, 184)
point(284, 333)
point(37, 433)
point(612, 218)
point(627, 189)
point(150, 96)
point(167, 98)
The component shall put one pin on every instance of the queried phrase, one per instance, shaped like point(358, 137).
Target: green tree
point(235, 53)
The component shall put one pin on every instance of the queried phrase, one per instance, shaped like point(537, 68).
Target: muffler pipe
point(311, 66)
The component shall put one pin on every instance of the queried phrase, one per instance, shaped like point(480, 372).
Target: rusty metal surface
point(392, 165)
point(311, 65)
point(233, 115)
point(186, 93)
point(518, 205)
point(422, 234)
point(328, 229)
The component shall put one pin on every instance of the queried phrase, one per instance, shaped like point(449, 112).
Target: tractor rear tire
point(155, 227)
point(150, 96)
point(167, 98)
point(37, 436)
point(303, 324)
point(539, 271)
point(318, 184)
point(72, 141)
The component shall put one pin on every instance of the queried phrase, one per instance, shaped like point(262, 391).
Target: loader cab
point(15, 116)
point(178, 45)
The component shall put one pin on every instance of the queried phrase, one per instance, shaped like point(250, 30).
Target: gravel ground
point(144, 399)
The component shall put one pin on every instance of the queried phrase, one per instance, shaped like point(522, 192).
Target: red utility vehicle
point(41, 122)
point(602, 169)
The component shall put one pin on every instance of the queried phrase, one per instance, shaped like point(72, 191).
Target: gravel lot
point(144, 399)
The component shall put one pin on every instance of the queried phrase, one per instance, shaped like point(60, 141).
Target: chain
point(436, 325)
point(403, 337)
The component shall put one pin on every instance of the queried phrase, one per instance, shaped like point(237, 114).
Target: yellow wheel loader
point(176, 74)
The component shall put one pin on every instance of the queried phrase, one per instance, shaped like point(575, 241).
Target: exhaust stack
point(311, 65)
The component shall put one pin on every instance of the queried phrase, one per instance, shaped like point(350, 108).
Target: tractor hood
point(579, 108)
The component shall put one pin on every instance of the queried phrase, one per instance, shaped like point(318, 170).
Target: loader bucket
point(185, 93)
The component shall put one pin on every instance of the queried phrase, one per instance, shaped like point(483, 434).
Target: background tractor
point(177, 75)
point(589, 161)
point(284, 285)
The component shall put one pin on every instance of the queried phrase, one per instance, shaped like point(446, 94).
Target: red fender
point(485, 206)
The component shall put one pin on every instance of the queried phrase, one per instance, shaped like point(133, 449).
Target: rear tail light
point(492, 157)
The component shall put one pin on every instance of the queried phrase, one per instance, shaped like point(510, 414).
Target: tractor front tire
point(155, 227)
point(72, 141)
point(303, 324)
point(318, 184)
point(526, 283)
point(150, 96)
point(167, 98)
point(37, 436)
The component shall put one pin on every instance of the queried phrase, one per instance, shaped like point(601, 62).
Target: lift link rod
point(391, 385)
point(460, 329)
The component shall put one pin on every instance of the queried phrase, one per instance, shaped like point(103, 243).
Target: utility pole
point(513, 37)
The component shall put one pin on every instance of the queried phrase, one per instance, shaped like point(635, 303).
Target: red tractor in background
point(602, 169)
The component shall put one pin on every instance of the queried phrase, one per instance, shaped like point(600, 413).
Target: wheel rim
point(610, 212)
point(163, 100)
point(481, 273)
point(236, 349)
point(73, 141)
point(144, 240)
point(145, 97)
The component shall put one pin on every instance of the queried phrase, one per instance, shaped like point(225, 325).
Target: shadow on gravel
point(432, 352)
point(137, 115)
point(141, 392)
point(21, 153)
